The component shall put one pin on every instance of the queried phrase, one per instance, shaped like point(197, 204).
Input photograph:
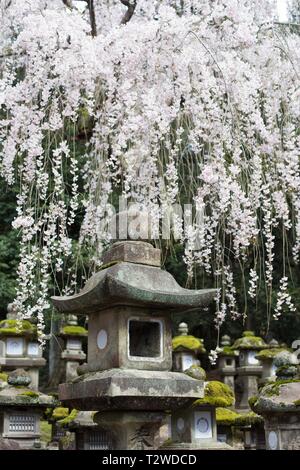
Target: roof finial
point(183, 329)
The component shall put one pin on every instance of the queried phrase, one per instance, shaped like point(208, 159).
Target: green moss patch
point(297, 402)
point(108, 265)
point(3, 376)
point(269, 353)
point(274, 388)
point(248, 419)
point(17, 328)
point(75, 330)
point(216, 394)
point(248, 333)
point(46, 430)
point(60, 413)
point(30, 393)
point(286, 372)
point(196, 372)
point(188, 342)
point(68, 419)
point(252, 400)
point(226, 417)
point(228, 351)
point(249, 341)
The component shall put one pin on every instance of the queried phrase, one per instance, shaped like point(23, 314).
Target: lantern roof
point(133, 283)
point(249, 341)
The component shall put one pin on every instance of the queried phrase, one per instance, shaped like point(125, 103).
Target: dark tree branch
point(91, 8)
point(92, 17)
point(130, 4)
point(68, 3)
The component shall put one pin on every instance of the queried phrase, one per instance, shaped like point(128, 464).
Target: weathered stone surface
point(135, 430)
point(83, 419)
point(278, 403)
point(128, 375)
point(249, 342)
point(195, 429)
point(250, 369)
point(16, 362)
point(133, 284)
point(249, 381)
point(9, 444)
point(278, 398)
point(131, 390)
point(19, 347)
point(114, 323)
point(133, 252)
point(22, 396)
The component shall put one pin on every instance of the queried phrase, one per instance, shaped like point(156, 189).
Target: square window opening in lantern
point(145, 339)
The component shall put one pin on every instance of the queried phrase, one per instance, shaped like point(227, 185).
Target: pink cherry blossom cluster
point(196, 100)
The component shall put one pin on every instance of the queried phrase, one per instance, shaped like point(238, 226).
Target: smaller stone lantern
point(21, 410)
point(73, 355)
point(226, 430)
point(88, 435)
point(252, 427)
point(241, 430)
point(266, 358)
point(19, 346)
point(227, 361)
point(279, 404)
point(186, 349)
point(287, 365)
point(57, 432)
point(196, 427)
point(249, 369)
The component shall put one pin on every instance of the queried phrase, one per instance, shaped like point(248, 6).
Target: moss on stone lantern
point(278, 403)
point(72, 355)
point(128, 376)
point(227, 361)
point(250, 369)
point(19, 346)
point(267, 359)
point(21, 410)
point(186, 349)
point(196, 427)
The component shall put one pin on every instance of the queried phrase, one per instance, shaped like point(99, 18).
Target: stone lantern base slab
point(17, 362)
point(131, 390)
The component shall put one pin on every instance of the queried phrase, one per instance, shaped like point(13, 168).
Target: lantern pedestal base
point(132, 430)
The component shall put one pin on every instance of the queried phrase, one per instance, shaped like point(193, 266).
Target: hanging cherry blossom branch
point(131, 5)
point(214, 122)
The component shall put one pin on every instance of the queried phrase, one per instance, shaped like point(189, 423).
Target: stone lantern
point(279, 404)
point(19, 346)
point(249, 369)
point(53, 415)
point(186, 349)
point(73, 355)
point(196, 427)
point(241, 430)
point(227, 361)
point(88, 435)
point(21, 410)
point(128, 375)
point(266, 358)
point(226, 429)
point(252, 427)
